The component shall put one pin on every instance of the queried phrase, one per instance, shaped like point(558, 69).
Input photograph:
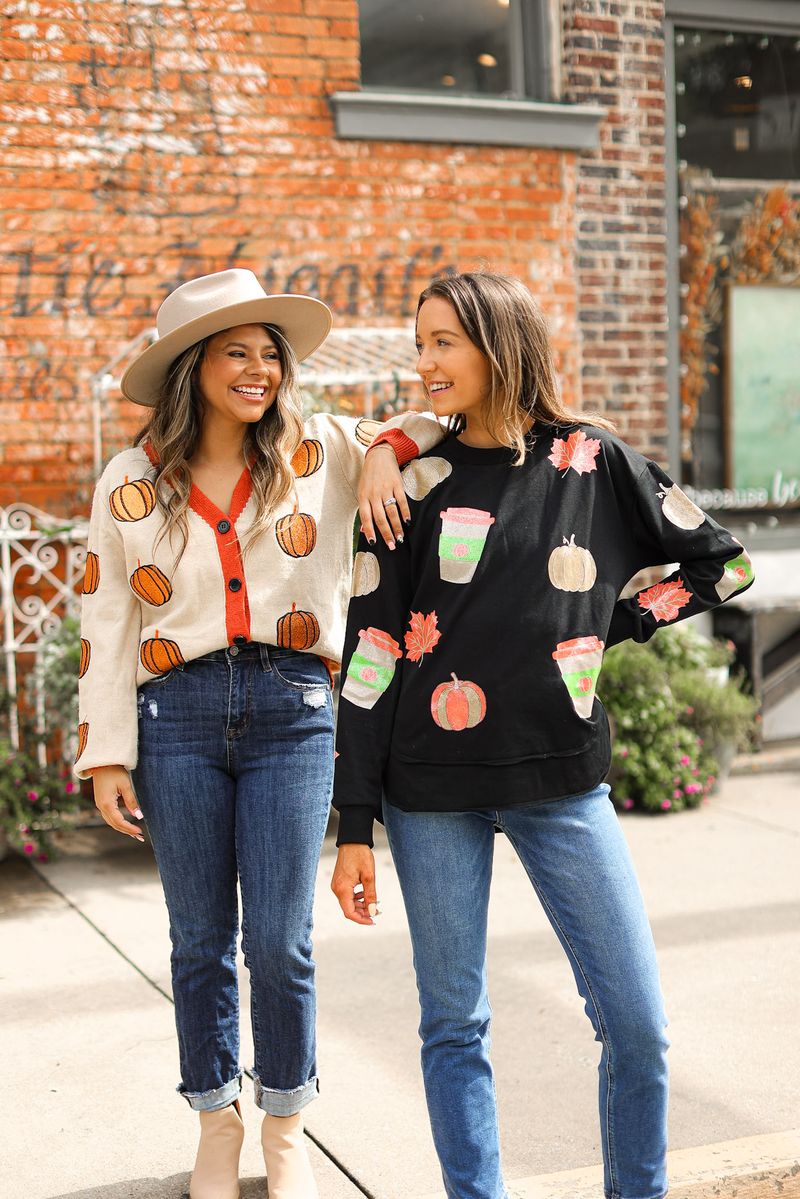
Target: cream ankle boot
point(216, 1170)
point(289, 1174)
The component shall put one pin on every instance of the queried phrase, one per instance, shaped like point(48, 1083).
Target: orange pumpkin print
point(91, 575)
point(151, 585)
point(298, 630)
point(83, 737)
point(458, 705)
point(132, 501)
point(86, 655)
point(297, 534)
point(159, 654)
point(368, 430)
point(308, 458)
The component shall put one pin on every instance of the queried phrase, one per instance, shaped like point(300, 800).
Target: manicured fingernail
point(139, 814)
point(373, 909)
point(140, 839)
point(400, 540)
point(370, 540)
point(391, 545)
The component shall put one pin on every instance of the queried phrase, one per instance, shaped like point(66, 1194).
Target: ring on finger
point(388, 503)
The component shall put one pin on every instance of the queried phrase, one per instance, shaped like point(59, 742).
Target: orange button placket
point(237, 604)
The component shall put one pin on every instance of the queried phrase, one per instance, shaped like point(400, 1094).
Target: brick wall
point(614, 56)
point(154, 142)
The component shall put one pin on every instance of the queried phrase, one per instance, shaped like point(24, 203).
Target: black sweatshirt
point(473, 649)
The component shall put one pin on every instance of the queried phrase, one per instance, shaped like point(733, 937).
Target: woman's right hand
point(112, 783)
point(355, 867)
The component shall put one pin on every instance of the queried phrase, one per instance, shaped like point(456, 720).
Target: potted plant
point(676, 722)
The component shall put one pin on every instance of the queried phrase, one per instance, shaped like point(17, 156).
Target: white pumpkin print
point(366, 574)
point(421, 476)
point(572, 568)
point(679, 509)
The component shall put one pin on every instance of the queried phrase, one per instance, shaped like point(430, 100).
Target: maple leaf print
point(664, 600)
point(422, 636)
point(578, 452)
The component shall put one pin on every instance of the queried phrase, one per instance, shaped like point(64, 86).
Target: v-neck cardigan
point(146, 610)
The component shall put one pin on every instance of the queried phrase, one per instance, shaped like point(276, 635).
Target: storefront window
point(737, 109)
point(457, 46)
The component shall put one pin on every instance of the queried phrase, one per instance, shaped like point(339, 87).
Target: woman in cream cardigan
point(215, 596)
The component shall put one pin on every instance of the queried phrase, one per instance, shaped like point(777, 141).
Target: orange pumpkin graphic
point(297, 630)
point(86, 655)
point(83, 737)
point(158, 654)
point(297, 534)
point(458, 705)
point(91, 575)
point(368, 430)
point(308, 458)
point(132, 501)
point(151, 585)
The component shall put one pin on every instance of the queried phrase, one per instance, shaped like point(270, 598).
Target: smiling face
point(456, 374)
point(240, 374)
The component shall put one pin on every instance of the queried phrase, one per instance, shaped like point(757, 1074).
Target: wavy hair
point(503, 320)
point(175, 429)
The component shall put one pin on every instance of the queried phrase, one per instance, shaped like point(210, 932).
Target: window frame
point(533, 117)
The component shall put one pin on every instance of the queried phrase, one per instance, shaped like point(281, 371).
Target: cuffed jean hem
point(285, 1103)
point(213, 1101)
point(617, 1195)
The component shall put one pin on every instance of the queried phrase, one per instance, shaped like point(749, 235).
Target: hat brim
point(304, 322)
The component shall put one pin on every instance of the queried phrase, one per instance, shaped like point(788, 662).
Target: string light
point(448, 80)
point(487, 60)
point(744, 81)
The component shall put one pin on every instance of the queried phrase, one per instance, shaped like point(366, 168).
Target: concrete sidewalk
point(89, 1031)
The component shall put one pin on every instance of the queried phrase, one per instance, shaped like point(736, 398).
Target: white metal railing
point(42, 562)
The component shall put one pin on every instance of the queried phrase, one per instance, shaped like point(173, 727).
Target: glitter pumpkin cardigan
point(144, 616)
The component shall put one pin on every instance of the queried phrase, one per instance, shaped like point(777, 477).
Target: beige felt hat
point(208, 305)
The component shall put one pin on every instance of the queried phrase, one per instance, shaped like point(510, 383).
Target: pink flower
point(623, 753)
point(41, 857)
point(33, 796)
point(69, 788)
point(696, 771)
point(712, 778)
point(676, 794)
point(685, 760)
point(692, 788)
point(627, 804)
point(28, 847)
point(666, 804)
point(689, 710)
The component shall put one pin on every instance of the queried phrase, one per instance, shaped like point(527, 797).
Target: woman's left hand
point(381, 481)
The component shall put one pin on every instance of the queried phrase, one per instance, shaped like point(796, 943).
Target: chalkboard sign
point(762, 409)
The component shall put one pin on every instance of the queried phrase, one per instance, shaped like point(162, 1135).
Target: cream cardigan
point(143, 615)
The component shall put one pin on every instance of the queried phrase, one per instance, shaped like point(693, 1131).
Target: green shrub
point(671, 718)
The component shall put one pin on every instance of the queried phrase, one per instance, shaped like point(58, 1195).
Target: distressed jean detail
point(234, 778)
point(578, 862)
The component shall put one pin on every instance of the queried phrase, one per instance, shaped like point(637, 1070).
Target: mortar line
point(156, 987)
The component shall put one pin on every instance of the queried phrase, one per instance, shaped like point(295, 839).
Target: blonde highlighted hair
point(504, 321)
point(175, 429)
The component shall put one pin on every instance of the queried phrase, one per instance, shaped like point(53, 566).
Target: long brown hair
point(175, 428)
point(503, 320)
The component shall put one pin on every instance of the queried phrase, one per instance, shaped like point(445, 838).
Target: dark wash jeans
point(234, 778)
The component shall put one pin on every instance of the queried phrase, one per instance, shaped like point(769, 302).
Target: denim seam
point(601, 1022)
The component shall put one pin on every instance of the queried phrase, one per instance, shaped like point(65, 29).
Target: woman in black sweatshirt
point(472, 656)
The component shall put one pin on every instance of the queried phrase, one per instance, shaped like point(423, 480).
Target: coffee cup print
point(371, 668)
point(738, 573)
point(579, 661)
point(461, 542)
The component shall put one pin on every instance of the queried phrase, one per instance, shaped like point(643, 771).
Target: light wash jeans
point(234, 779)
point(578, 862)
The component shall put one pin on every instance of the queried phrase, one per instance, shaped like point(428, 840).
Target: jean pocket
point(301, 672)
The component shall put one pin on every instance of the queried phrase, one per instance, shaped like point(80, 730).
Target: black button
point(235, 585)
point(240, 639)
point(224, 526)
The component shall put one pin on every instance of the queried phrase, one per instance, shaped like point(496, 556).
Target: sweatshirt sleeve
point(110, 632)
point(409, 435)
point(372, 660)
point(668, 527)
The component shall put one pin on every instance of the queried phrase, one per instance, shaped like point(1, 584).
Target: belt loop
point(264, 652)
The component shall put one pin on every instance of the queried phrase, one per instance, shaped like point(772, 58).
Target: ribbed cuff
point(355, 825)
point(404, 448)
